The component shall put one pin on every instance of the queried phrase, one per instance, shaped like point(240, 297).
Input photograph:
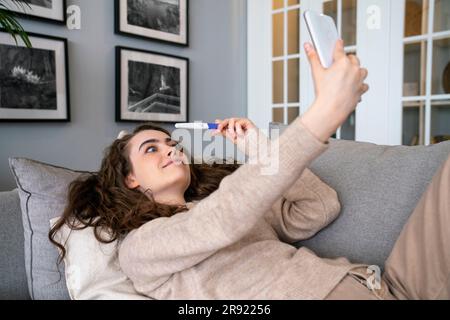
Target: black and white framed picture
point(48, 10)
point(162, 20)
point(34, 83)
point(151, 86)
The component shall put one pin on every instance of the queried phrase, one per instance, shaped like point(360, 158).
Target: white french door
point(280, 85)
point(408, 72)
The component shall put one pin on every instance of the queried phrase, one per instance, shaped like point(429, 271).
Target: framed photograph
point(162, 20)
point(34, 83)
point(48, 10)
point(151, 86)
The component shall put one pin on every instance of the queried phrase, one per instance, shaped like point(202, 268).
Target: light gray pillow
point(378, 187)
point(42, 191)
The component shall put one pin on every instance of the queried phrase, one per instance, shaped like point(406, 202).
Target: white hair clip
point(122, 134)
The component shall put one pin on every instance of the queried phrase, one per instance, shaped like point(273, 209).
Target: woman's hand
point(338, 91)
point(236, 130)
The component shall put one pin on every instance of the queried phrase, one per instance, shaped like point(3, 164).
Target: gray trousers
point(419, 264)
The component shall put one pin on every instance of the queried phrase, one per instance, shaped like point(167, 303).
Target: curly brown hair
point(103, 201)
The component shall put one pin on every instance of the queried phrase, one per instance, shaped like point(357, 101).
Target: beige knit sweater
point(234, 244)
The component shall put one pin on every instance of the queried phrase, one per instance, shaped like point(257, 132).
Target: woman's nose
point(174, 151)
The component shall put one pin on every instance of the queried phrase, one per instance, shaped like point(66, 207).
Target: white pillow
point(92, 268)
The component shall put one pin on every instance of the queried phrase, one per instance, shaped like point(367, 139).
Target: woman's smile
point(168, 164)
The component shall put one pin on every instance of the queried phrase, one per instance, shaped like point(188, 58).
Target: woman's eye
point(151, 149)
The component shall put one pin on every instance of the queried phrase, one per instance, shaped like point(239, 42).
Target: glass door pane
point(413, 123)
point(293, 80)
point(278, 115)
point(278, 34)
point(440, 121)
point(414, 69)
point(349, 22)
point(278, 81)
point(441, 15)
point(293, 31)
point(441, 66)
point(416, 17)
point(348, 128)
point(293, 113)
point(330, 8)
point(277, 4)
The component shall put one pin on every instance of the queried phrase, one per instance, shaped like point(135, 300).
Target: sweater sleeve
point(162, 247)
point(307, 207)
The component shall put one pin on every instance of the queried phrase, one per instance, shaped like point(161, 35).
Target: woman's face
point(157, 165)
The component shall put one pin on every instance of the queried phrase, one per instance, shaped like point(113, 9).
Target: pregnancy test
point(197, 126)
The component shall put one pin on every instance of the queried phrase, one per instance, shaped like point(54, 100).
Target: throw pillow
point(42, 191)
point(92, 268)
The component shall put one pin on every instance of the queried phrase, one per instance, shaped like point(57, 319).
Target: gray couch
point(378, 187)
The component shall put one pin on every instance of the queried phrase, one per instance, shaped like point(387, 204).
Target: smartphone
point(324, 35)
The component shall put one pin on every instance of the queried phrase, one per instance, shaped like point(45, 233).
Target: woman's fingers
point(313, 58)
point(239, 130)
point(364, 73)
point(364, 88)
point(246, 124)
point(354, 59)
point(233, 128)
point(225, 128)
point(220, 127)
point(339, 52)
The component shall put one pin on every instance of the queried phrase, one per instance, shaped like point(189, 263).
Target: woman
point(213, 232)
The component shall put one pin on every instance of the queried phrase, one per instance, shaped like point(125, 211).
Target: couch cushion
point(378, 187)
point(43, 192)
point(13, 279)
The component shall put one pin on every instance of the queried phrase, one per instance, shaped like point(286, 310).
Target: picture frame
point(53, 11)
point(34, 82)
point(151, 86)
point(160, 20)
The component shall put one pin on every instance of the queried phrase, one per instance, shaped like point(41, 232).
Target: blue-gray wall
point(217, 53)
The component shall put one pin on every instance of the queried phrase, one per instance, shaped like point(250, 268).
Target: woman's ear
point(131, 181)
